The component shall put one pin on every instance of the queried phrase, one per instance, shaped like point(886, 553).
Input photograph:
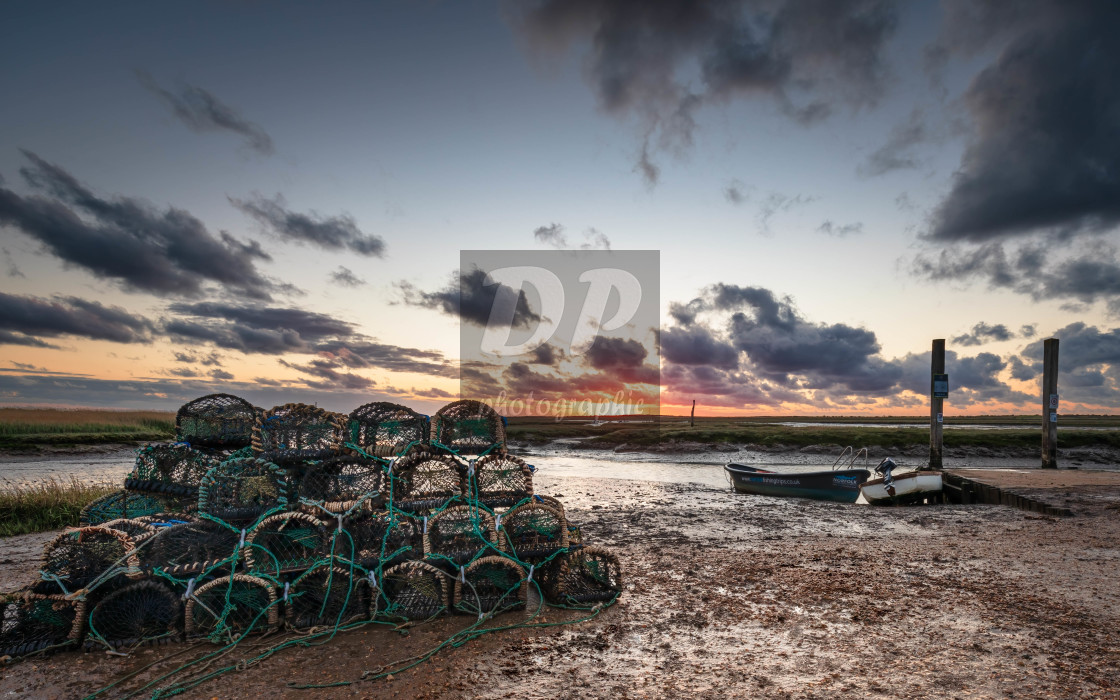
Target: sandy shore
point(734, 596)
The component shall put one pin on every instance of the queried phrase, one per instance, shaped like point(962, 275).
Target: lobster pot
point(458, 533)
point(228, 608)
point(374, 540)
point(31, 623)
point(587, 575)
point(387, 429)
point(240, 490)
point(341, 484)
point(468, 428)
point(414, 590)
point(533, 531)
point(128, 504)
point(186, 550)
point(490, 585)
point(500, 480)
point(137, 529)
point(80, 556)
point(285, 542)
point(162, 520)
point(549, 501)
point(296, 432)
point(175, 469)
point(327, 596)
point(221, 421)
point(141, 613)
point(425, 481)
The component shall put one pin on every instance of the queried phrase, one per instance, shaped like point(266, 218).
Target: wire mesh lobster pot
point(374, 540)
point(284, 543)
point(490, 585)
point(190, 549)
point(228, 608)
point(341, 484)
point(80, 556)
point(586, 575)
point(468, 428)
point(175, 469)
point(387, 429)
point(141, 613)
point(327, 596)
point(34, 623)
point(221, 421)
point(129, 504)
point(413, 590)
point(500, 480)
point(241, 490)
point(533, 531)
point(297, 432)
point(425, 481)
point(456, 534)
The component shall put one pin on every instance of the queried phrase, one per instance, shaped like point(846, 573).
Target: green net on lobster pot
point(228, 608)
point(297, 432)
point(458, 533)
point(31, 623)
point(175, 469)
point(341, 484)
point(533, 531)
point(490, 585)
point(468, 428)
point(130, 504)
point(240, 490)
point(426, 481)
point(221, 421)
point(386, 429)
point(80, 557)
point(141, 613)
point(326, 596)
point(284, 543)
point(186, 550)
point(500, 480)
point(413, 590)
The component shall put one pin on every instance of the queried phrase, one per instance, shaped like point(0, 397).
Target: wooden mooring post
point(936, 403)
point(692, 416)
point(1050, 403)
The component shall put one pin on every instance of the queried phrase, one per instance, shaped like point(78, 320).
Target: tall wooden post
point(1050, 403)
point(936, 405)
point(692, 417)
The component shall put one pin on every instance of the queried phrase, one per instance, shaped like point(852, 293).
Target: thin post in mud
point(936, 404)
point(1050, 403)
point(692, 416)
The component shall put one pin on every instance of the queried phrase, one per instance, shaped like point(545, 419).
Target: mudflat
point(726, 595)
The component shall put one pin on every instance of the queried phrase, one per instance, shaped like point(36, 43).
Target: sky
point(270, 199)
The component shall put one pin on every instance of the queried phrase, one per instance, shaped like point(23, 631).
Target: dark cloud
point(696, 346)
point(551, 235)
point(329, 233)
point(201, 111)
point(777, 202)
point(434, 393)
point(1045, 148)
point(470, 299)
point(615, 353)
point(982, 333)
point(840, 230)
point(804, 56)
point(183, 372)
point(252, 329)
point(13, 269)
point(546, 355)
point(220, 374)
point(1023, 371)
point(26, 320)
point(736, 192)
point(1088, 274)
point(326, 370)
point(897, 152)
point(650, 171)
point(344, 277)
point(211, 360)
point(169, 253)
point(361, 352)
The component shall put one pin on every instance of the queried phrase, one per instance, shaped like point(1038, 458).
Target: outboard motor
point(885, 468)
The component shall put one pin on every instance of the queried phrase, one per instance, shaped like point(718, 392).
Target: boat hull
point(840, 485)
point(907, 488)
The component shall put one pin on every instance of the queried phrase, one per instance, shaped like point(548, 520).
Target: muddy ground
point(730, 596)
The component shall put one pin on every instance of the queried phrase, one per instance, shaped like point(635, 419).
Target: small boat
point(841, 483)
point(911, 487)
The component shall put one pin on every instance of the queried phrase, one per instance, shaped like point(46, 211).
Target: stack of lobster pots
point(301, 518)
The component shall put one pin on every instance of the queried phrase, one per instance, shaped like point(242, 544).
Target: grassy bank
point(767, 432)
point(45, 506)
point(23, 428)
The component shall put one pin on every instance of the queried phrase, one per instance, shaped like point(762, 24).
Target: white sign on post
point(1053, 402)
point(940, 418)
point(1053, 417)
